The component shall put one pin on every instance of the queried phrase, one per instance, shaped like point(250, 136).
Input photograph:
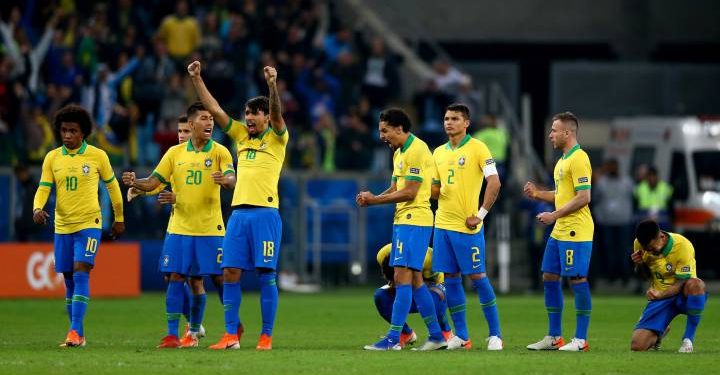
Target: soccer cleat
point(432, 345)
point(457, 343)
point(383, 345)
point(447, 335)
point(169, 342)
point(658, 342)
point(228, 341)
point(407, 339)
point(200, 333)
point(190, 340)
point(73, 339)
point(548, 343)
point(686, 346)
point(264, 342)
point(575, 345)
point(494, 343)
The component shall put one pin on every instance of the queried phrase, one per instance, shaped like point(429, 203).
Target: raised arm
point(205, 97)
point(276, 119)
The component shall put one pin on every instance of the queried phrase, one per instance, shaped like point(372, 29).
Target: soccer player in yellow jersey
point(193, 246)
point(252, 241)
point(569, 247)
point(461, 165)
point(385, 295)
point(412, 227)
point(75, 170)
point(669, 261)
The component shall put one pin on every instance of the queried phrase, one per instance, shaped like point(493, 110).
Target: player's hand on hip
point(637, 257)
point(194, 69)
point(270, 75)
point(652, 294)
point(117, 229)
point(128, 178)
point(529, 190)
point(472, 222)
point(546, 218)
point(40, 216)
point(166, 197)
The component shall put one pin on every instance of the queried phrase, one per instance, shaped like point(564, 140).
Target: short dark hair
point(567, 117)
point(396, 117)
point(193, 109)
point(652, 171)
point(646, 231)
point(459, 107)
point(257, 104)
point(74, 113)
point(182, 118)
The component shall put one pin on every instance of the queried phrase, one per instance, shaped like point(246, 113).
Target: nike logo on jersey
point(474, 267)
point(181, 163)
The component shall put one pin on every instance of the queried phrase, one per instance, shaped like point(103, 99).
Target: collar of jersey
point(80, 151)
point(462, 143)
point(668, 245)
point(575, 148)
point(408, 142)
point(261, 135)
point(205, 148)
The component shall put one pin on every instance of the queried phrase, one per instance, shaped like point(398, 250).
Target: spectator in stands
point(381, 78)
point(26, 185)
point(355, 143)
point(180, 32)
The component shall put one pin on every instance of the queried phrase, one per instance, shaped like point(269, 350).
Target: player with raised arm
point(385, 295)
point(569, 247)
point(412, 226)
point(75, 170)
point(669, 261)
point(461, 165)
point(193, 246)
point(254, 230)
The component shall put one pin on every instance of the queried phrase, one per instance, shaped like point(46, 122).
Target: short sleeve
point(485, 160)
point(163, 171)
point(415, 165)
point(685, 263)
point(581, 172)
point(283, 137)
point(226, 162)
point(236, 130)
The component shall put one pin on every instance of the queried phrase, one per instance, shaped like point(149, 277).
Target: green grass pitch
point(324, 334)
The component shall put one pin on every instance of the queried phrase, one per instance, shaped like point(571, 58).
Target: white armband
point(482, 212)
point(489, 170)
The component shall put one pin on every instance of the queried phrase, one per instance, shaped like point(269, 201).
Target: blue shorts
point(252, 239)
point(455, 252)
point(191, 255)
point(410, 243)
point(81, 246)
point(660, 312)
point(567, 258)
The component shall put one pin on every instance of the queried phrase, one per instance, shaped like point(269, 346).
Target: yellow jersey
point(675, 262)
point(76, 175)
point(413, 162)
point(427, 272)
point(573, 173)
point(459, 172)
point(196, 211)
point(259, 162)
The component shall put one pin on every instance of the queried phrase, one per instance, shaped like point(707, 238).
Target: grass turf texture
point(324, 334)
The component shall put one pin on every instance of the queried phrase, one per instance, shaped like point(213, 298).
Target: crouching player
point(385, 295)
point(668, 260)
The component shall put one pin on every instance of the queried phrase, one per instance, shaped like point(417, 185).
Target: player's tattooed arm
point(276, 118)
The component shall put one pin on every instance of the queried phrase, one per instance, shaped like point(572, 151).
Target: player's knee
point(231, 275)
point(638, 346)
point(694, 286)
point(578, 279)
point(550, 277)
point(478, 276)
point(82, 267)
point(176, 277)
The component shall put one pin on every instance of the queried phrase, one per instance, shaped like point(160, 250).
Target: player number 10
point(268, 248)
point(91, 246)
point(71, 183)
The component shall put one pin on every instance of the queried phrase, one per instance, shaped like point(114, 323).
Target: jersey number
point(399, 247)
point(70, 183)
point(569, 257)
point(250, 155)
point(268, 248)
point(475, 254)
point(219, 256)
point(451, 174)
point(193, 178)
point(91, 246)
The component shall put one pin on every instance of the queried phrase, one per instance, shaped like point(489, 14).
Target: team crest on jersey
point(461, 161)
point(208, 163)
point(85, 169)
point(668, 267)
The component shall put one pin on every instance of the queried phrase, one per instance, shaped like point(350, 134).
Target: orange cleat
point(264, 343)
point(189, 341)
point(407, 339)
point(447, 335)
point(228, 341)
point(73, 339)
point(169, 342)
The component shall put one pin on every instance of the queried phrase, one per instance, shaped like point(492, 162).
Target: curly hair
point(75, 114)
